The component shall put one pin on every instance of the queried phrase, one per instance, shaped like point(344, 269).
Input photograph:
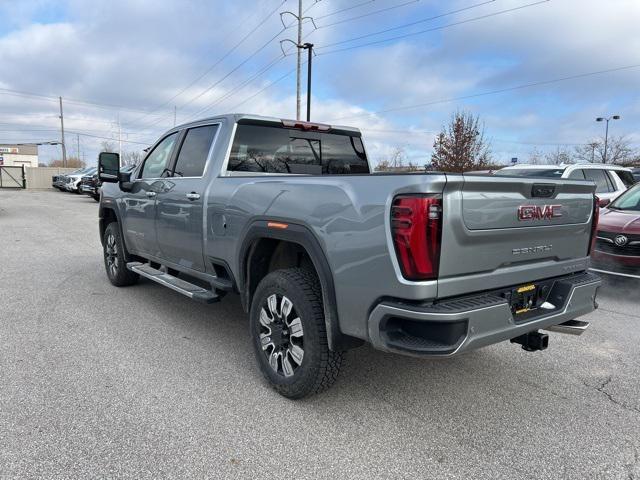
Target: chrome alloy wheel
point(111, 255)
point(281, 335)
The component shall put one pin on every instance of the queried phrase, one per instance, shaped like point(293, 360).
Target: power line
point(433, 29)
point(108, 138)
point(208, 70)
point(493, 92)
point(270, 65)
point(368, 14)
point(237, 88)
point(352, 7)
point(259, 73)
point(279, 79)
point(410, 132)
point(51, 98)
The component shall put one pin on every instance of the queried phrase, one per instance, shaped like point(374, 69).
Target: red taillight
point(416, 227)
point(594, 223)
point(321, 127)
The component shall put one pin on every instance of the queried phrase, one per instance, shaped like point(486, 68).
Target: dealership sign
point(8, 150)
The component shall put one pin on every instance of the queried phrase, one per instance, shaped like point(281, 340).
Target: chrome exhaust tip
point(570, 327)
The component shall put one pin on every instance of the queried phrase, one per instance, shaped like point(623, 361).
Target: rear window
point(626, 177)
point(531, 172)
point(267, 149)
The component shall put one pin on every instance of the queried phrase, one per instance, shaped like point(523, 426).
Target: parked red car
point(617, 248)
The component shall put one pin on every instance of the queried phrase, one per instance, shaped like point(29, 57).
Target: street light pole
point(309, 48)
point(606, 132)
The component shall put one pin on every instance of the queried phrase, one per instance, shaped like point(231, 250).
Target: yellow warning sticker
point(526, 288)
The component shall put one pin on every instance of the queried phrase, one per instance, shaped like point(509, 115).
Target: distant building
point(17, 155)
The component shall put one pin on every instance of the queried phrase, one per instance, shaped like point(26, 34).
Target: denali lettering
point(537, 249)
point(536, 212)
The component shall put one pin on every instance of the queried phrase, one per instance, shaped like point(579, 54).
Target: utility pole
point(299, 18)
point(175, 113)
point(78, 145)
point(64, 148)
point(299, 60)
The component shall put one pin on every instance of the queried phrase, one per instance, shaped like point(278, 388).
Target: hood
point(617, 221)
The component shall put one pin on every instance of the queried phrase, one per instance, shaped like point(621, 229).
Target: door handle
point(150, 194)
point(193, 196)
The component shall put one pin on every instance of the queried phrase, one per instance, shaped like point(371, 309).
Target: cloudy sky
point(537, 72)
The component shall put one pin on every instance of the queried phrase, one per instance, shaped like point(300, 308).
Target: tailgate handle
point(543, 190)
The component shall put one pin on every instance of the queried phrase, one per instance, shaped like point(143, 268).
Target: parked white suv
point(610, 180)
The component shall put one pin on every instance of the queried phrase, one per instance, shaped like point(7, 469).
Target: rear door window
point(613, 185)
point(194, 151)
point(577, 175)
point(600, 179)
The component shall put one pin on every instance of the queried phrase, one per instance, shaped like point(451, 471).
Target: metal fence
point(41, 177)
point(12, 177)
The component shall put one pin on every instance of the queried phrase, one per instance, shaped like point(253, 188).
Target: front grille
point(611, 248)
point(611, 235)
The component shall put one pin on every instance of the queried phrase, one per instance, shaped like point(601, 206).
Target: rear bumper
point(459, 325)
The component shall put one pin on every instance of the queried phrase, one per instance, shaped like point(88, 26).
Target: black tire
point(96, 197)
point(114, 261)
point(319, 367)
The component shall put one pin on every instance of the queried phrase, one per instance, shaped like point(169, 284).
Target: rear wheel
point(289, 334)
point(114, 261)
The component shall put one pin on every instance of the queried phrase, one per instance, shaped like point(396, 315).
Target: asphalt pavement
point(141, 382)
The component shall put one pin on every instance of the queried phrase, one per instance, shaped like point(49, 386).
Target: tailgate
point(494, 224)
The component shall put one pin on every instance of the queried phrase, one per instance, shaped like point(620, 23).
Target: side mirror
point(603, 202)
point(109, 167)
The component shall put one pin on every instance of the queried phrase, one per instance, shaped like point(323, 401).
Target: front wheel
point(114, 261)
point(289, 334)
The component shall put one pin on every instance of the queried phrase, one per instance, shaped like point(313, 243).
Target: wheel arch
point(265, 248)
point(106, 216)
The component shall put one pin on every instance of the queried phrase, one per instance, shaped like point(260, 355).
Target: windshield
point(531, 172)
point(629, 200)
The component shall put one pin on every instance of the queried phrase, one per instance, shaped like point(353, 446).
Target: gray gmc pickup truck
point(326, 255)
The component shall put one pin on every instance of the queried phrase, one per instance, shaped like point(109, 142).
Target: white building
point(17, 155)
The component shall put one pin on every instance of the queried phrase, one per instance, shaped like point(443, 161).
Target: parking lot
point(141, 382)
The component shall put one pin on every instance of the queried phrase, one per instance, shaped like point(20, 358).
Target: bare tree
point(586, 152)
point(560, 155)
point(131, 158)
point(383, 166)
point(461, 146)
point(107, 146)
point(619, 150)
point(395, 161)
point(72, 162)
point(536, 157)
point(397, 158)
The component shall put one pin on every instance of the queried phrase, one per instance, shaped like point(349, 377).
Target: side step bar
point(190, 290)
point(571, 327)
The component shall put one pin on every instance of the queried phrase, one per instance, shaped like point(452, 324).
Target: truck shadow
point(369, 373)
